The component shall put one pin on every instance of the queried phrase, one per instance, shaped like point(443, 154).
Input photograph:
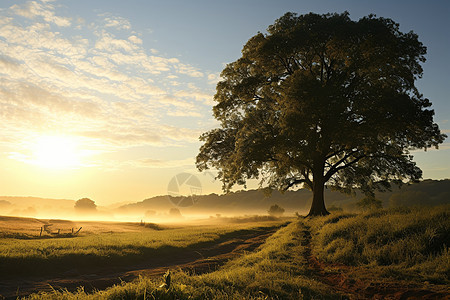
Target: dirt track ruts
point(200, 258)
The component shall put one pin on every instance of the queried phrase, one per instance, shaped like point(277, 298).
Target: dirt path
point(341, 278)
point(201, 258)
point(207, 257)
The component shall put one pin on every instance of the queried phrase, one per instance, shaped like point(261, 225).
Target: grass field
point(277, 270)
point(394, 254)
point(403, 243)
point(99, 244)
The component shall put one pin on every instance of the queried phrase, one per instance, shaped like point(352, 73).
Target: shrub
point(85, 204)
point(276, 211)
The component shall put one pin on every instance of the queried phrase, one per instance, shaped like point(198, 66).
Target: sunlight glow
point(56, 152)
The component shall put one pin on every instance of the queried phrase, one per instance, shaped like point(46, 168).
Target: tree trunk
point(318, 203)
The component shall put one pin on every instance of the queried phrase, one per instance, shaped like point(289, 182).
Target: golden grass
point(277, 270)
point(403, 243)
point(410, 242)
point(97, 246)
point(29, 228)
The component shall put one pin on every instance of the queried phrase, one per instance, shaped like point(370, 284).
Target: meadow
point(101, 244)
point(387, 253)
point(403, 243)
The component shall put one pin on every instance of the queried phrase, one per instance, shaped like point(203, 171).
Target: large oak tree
point(322, 99)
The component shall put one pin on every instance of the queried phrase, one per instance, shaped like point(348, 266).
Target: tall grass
point(21, 256)
point(414, 240)
point(407, 243)
point(276, 270)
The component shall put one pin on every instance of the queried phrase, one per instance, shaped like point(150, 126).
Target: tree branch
point(285, 64)
point(294, 182)
point(333, 170)
point(305, 174)
point(342, 159)
point(299, 64)
point(335, 153)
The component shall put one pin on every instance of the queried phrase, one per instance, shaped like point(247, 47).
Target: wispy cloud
point(155, 163)
point(189, 70)
point(135, 39)
point(102, 87)
point(116, 22)
point(34, 9)
point(197, 94)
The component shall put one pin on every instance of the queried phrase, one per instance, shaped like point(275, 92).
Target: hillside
point(427, 192)
point(33, 206)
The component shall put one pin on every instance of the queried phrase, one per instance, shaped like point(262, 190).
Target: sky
point(106, 99)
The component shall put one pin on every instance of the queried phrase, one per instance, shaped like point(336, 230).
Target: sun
point(56, 152)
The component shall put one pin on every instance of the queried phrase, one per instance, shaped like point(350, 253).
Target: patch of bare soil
point(341, 279)
point(201, 258)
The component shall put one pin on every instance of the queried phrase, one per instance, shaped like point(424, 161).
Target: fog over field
point(244, 203)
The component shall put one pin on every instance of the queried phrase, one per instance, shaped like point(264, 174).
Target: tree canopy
point(322, 99)
point(85, 204)
point(276, 210)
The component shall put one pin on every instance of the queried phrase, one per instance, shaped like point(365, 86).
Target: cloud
point(176, 101)
point(9, 66)
point(188, 70)
point(117, 22)
point(181, 107)
point(181, 134)
point(33, 9)
point(36, 40)
point(24, 94)
point(109, 44)
point(182, 113)
point(103, 87)
point(144, 163)
point(155, 163)
point(214, 78)
point(134, 39)
point(122, 138)
point(196, 94)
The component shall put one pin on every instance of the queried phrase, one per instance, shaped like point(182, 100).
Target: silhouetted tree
point(322, 99)
point(5, 204)
point(85, 205)
point(276, 210)
point(30, 211)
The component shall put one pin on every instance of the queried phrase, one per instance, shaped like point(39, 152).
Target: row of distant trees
point(367, 203)
point(404, 198)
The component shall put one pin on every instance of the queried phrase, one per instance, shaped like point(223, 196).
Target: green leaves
point(322, 97)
